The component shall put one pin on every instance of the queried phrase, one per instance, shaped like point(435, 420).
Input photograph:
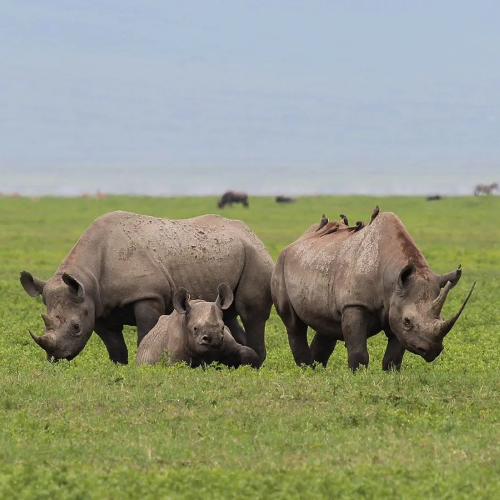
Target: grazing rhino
point(230, 197)
point(349, 285)
point(196, 334)
point(125, 269)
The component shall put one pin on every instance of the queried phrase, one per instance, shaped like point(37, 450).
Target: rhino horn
point(438, 303)
point(447, 325)
point(46, 320)
point(46, 342)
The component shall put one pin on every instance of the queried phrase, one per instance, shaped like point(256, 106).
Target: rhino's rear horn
point(46, 320)
point(438, 303)
point(447, 325)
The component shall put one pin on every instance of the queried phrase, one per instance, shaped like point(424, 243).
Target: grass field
point(88, 429)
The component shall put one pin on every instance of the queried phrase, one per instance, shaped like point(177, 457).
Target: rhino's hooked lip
point(55, 359)
point(428, 354)
point(212, 344)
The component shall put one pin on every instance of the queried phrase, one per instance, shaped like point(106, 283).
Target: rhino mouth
point(49, 344)
point(215, 344)
point(209, 342)
point(54, 359)
point(428, 354)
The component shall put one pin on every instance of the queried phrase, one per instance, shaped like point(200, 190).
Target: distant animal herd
point(200, 290)
point(230, 197)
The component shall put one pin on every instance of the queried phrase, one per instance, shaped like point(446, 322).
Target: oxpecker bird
point(323, 222)
point(375, 212)
point(344, 219)
point(359, 225)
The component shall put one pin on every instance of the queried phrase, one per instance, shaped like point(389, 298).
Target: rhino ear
point(225, 297)
point(74, 285)
point(33, 286)
point(405, 274)
point(453, 277)
point(181, 301)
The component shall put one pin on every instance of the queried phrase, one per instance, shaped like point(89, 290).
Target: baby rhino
point(195, 333)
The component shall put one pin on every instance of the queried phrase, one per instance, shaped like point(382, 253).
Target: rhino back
point(324, 275)
point(135, 256)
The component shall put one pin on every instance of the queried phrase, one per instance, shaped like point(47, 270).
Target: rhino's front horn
point(46, 342)
point(447, 325)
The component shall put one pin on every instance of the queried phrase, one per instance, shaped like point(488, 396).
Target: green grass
point(89, 429)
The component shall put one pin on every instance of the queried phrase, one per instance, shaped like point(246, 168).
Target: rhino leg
point(255, 329)
point(244, 356)
point(297, 334)
point(147, 313)
point(322, 347)
point(394, 353)
point(253, 303)
point(231, 321)
point(112, 336)
point(295, 327)
point(235, 355)
point(355, 325)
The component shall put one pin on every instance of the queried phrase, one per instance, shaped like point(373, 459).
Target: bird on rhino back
point(349, 283)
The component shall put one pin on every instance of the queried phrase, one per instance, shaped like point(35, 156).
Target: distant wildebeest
point(349, 284)
point(284, 199)
point(230, 197)
point(485, 188)
point(125, 269)
point(196, 334)
point(433, 197)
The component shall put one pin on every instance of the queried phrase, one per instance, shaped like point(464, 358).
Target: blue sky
point(373, 84)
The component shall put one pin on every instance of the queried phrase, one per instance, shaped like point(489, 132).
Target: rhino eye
point(406, 321)
point(76, 327)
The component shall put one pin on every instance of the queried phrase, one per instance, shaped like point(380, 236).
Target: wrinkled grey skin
point(125, 269)
point(350, 285)
point(195, 333)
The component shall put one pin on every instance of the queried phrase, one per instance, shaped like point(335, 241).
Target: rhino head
point(415, 310)
point(70, 317)
point(204, 325)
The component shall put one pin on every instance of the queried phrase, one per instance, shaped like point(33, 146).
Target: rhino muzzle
point(49, 344)
point(429, 354)
point(211, 340)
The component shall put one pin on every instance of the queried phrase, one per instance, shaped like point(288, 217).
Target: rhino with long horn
point(126, 268)
point(349, 285)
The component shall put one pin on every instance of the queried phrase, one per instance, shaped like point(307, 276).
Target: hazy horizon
point(401, 95)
